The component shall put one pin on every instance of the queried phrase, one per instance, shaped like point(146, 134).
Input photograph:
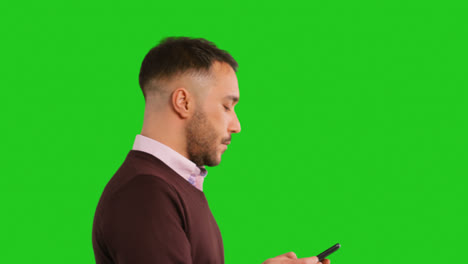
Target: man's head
point(190, 89)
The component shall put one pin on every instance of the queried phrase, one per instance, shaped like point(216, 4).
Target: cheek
point(218, 119)
point(214, 123)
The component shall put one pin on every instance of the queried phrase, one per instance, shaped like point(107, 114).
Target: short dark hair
point(179, 55)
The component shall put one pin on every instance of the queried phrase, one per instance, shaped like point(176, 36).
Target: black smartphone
point(327, 252)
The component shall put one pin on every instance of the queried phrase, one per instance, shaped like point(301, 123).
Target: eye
point(227, 108)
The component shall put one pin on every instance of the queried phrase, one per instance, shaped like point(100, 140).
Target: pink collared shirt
point(176, 161)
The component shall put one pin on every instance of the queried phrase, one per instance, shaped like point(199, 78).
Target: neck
point(166, 133)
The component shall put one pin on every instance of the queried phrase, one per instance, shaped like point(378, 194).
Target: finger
point(326, 261)
point(311, 260)
point(291, 255)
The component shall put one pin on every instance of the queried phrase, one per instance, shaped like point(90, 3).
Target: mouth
point(225, 147)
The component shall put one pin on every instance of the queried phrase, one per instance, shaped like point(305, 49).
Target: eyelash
point(227, 108)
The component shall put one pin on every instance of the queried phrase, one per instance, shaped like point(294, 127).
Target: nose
point(235, 126)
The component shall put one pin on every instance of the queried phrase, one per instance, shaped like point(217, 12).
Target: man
point(153, 210)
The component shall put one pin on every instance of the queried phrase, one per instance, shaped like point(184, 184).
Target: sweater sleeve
point(146, 224)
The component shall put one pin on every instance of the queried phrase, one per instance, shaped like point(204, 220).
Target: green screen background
point(353, 116)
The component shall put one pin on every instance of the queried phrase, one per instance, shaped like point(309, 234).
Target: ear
point(182, 102)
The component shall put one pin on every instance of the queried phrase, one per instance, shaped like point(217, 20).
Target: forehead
point(225, 82)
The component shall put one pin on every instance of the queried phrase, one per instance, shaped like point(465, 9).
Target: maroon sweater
point(148, 213)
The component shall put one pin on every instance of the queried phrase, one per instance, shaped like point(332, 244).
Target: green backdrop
point(353, 116)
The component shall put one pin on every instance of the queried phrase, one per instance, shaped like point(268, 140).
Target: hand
point(291, 258)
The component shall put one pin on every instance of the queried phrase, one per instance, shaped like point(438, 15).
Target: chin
point(214, 162)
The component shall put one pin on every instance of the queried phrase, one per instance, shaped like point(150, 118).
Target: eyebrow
point(232, 97)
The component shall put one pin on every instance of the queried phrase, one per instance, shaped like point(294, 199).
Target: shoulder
point(143, 197)
point(148, 181)
point(148, 187)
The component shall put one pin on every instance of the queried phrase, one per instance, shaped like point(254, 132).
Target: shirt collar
point(176, 161)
